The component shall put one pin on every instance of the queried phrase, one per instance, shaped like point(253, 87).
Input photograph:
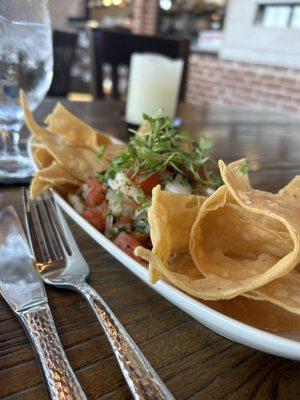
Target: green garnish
point(100, 154)
point(243, 168)
point(205, 143)
point(163, 147)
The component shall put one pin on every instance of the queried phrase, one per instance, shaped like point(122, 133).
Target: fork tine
point(28, 220)
point(53, 242)
point(31, 211)
point(51, 238)
point(49, 246)
point(56, 224)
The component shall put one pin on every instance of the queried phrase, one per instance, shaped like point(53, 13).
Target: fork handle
point(141, 378)
point(59, 377)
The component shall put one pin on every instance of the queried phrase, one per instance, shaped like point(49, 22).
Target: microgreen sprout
point(163, 147)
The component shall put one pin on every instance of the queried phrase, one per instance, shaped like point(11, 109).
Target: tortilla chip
point(57, 175)
point(259, 314)
point(170, 225)
point(79, 162)
point(35, 142)
point(238, 248)
point(42, 157)
point(209, 288)
point(171, 217)
point(52, 176)
point(292, 189)
point(38, 186)
point(223, 244)
point(252, 311)
point(74, 131)
point(284, 292)
point(103, 139)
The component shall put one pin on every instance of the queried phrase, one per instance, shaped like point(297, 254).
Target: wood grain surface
point(194, 362)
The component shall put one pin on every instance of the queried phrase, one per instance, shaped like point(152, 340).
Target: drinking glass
point(26, 62)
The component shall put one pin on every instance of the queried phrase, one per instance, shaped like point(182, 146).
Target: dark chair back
point(64, 45)
point(115, 48)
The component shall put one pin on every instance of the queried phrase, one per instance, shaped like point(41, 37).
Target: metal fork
point(62, 265)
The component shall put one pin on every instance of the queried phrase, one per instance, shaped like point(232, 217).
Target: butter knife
point(23, 290)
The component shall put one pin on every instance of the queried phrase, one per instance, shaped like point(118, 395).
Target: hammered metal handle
point(59, 377)
point(141, 378)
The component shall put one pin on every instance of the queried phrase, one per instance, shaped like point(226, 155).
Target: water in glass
point(26, 62)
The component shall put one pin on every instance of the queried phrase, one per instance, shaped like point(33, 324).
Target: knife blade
point(20, 284)
point(22, 288)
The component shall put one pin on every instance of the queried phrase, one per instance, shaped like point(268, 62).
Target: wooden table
point(194, 362)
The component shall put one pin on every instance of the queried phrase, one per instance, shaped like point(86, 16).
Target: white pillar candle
point(154, 82)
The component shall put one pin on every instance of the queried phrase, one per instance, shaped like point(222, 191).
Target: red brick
point(145, 16)
point(289, 82)
point(243, 83)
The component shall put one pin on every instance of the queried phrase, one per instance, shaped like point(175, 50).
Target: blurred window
point(295, 21)
point(278, 15)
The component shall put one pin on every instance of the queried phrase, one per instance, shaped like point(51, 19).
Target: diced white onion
point(108, 224)
point(76, 202)
point(114, 202)
point(176, 187)
point(123, 184)
point(85, 190)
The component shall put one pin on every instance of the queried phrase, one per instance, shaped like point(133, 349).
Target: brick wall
point(61, 10)
point(215, 80)
point(145, 16)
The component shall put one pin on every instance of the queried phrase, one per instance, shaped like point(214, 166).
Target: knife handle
point(141, 378)
point(59, 377)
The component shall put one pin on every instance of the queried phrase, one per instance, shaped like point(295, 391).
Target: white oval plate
point(284, 344)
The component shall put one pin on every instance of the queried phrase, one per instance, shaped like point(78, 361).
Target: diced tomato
point(123, 222)
point(142, 238)
point(96, 192)
point(127, 243)
point(94, 197)
point(202, 173)
point(92, 182)
point(148, 184)
point(94, 216)
point(124, 219)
